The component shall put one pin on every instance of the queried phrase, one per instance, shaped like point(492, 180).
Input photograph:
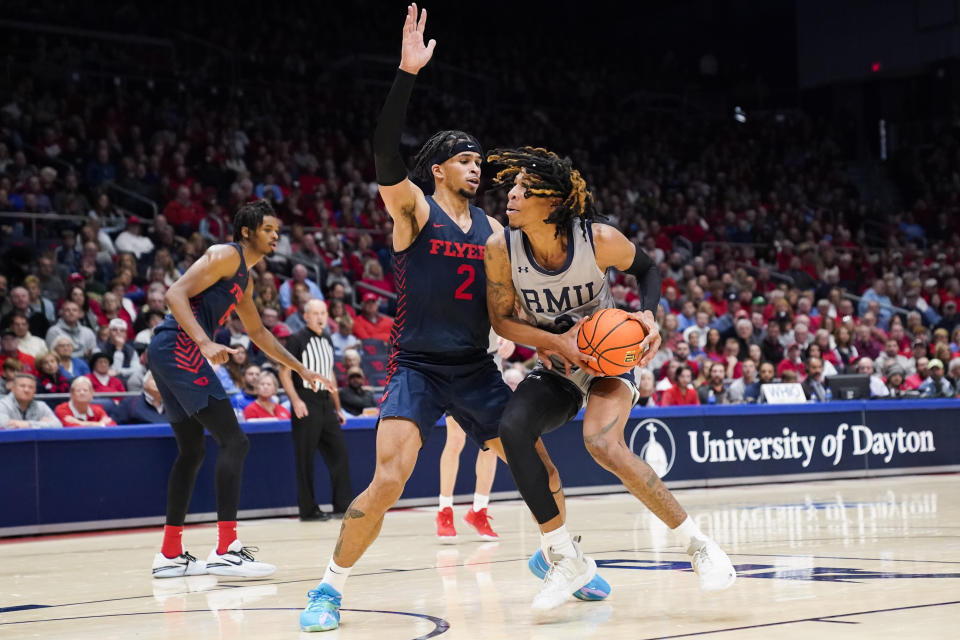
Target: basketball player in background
point(180, 354)
point(439, 362)
point(552, 263)
point(485, 469)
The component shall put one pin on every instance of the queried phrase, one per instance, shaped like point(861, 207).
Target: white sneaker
point(566, 575)
point(711, 565)
point(179, 567)
point(238, 561)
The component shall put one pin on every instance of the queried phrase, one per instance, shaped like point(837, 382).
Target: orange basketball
point(613, 338)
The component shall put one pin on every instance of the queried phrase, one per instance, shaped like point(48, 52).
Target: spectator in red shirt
point(373, 275)
point(101, 377)
point(371, 323)
point(914, 380)
point(792, 362)
point(182, 212)
point(9, 349)
point(79, 411)
point(682, 392)
point(717, 299)
point(264, 408)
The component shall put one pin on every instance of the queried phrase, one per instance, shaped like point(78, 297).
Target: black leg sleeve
point(221, 422)
point(190, 444)
point(541, 403)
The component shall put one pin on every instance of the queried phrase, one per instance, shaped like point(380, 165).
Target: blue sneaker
point(596, 589)
point(323, 609)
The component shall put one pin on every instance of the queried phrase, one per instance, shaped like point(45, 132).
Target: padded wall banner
point(742, 445)
point(50, 478)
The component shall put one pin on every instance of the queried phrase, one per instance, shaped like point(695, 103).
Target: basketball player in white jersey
point(551, 263)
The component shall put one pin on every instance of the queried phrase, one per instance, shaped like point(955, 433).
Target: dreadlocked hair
point(547, 175)
point(436, 150)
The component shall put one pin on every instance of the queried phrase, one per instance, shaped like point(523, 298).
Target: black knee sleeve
point(541, 403)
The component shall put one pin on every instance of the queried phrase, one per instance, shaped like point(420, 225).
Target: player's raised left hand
point(414, 54)
point(651, 344)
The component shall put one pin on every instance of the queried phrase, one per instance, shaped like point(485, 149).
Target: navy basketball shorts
point(474, 395)
point(185, 379)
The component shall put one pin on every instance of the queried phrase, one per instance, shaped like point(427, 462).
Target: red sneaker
point(446, 532)
point(480, 521)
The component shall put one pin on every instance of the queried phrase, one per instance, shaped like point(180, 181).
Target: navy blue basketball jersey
point(442, 291)
point(213, 306)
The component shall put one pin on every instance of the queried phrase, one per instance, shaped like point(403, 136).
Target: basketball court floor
point(875, 558)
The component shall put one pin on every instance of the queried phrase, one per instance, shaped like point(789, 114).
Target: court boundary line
point(440, 625)
point(811, 619)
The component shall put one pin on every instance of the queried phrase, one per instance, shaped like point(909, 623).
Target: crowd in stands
point(774, 268)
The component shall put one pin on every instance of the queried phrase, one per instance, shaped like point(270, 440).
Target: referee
point(316, 415)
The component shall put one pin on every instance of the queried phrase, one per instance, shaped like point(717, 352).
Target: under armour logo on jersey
point(523, 269)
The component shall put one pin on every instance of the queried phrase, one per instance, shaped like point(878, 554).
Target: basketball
point(613, 338)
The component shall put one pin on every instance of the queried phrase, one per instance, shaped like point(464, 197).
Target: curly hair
point(547, 175)
point(251, 216)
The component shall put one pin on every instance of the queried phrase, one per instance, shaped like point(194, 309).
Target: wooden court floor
point(875, 558)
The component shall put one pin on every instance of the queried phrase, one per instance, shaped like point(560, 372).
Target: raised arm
point(613, 249)
point(501, 299)
point(404, 200)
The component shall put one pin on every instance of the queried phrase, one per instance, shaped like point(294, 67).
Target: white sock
point(445, 501)
point(480, 502)
point(336, 576)
point(559, 540)
point(689, 531)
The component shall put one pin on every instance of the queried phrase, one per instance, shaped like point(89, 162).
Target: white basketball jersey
point(555, 300)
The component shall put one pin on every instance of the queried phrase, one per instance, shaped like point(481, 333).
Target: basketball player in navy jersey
point(180, 353)
point(552, 264)
point(441, 330)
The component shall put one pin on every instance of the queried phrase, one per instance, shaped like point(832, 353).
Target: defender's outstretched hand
point(414, 54)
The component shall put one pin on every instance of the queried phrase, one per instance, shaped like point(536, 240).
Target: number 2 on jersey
point(468, 271)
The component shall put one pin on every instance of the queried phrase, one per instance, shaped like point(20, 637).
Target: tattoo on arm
point(500, 297)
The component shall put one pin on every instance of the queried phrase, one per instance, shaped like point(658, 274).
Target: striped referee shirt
point(315, 352)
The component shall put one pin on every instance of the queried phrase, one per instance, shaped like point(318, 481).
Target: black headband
point(468, 144)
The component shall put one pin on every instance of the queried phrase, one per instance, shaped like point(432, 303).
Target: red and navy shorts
point(185, 379)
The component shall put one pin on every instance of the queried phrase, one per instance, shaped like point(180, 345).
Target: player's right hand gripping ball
point(613, 337)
